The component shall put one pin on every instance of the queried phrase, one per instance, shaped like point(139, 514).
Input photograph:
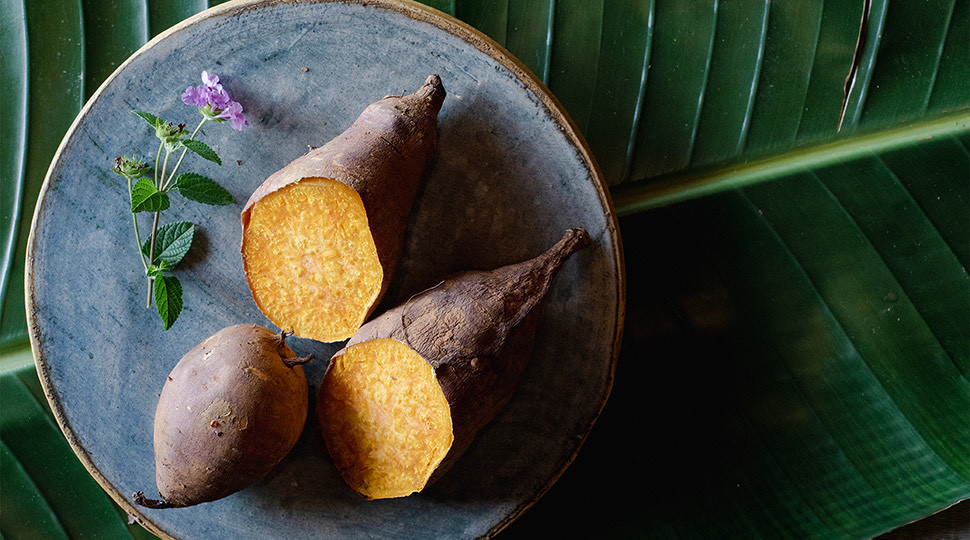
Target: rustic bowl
point(511, 175)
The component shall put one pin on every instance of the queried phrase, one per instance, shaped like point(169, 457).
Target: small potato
point(231, 409)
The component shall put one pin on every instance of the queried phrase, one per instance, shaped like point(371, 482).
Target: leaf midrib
point(692, 183)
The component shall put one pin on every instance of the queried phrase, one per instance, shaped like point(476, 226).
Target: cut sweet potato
point(322, 237)
point(475, 330)
point(389, 425)
point(311, 257)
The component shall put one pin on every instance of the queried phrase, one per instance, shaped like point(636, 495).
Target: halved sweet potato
point(474, 331)
point(322, 237)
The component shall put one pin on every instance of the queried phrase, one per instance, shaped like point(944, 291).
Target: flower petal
point(209, 80)
point(218, 97)
point(234, 112)
point(193, 95)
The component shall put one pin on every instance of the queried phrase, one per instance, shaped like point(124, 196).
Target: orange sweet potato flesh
point(389, 425)
point(475, 330)
point(322, 237)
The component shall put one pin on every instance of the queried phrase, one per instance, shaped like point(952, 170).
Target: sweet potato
point(475, 331)
point(322, 237)
point(231, 409)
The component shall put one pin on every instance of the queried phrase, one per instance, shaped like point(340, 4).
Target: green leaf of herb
point(198, 188)
point(202, 149)
point(152, 120)
point(171, 244)
point(168, 299)
point(145, 197)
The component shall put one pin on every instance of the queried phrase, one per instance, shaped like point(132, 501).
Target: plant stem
point(134, 221)
point(158, 154)
point(151, 257)
point(179, 162)
point(168, 152)
point(151, 249)
point(145, 263)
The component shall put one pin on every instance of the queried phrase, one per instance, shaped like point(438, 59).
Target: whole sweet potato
point(231, 409)
point(389, 431)
point(322, 237)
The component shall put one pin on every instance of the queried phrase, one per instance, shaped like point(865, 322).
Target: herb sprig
point(149, 188)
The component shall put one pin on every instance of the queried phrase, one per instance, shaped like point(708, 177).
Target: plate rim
point(414, 11)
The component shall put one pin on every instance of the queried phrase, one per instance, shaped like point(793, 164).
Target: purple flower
point(214, 103)
point(234, 112)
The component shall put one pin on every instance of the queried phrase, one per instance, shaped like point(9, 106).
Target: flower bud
point(169, 134)
point(130, 167)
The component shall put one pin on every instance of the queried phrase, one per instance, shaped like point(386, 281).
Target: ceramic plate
point(511, 175)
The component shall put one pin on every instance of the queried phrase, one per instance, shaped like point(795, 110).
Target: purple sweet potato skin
point(477, 330)
point(383, 156)
point(230, 410)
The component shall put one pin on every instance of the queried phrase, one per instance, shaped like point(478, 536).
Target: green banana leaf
point(797, 346)
point(46, 492)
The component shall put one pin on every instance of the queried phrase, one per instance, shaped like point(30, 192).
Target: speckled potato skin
point(230, 410)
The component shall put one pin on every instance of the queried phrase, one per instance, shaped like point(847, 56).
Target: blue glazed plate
point(511, 175)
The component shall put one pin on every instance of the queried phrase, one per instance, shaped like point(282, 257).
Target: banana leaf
point(793, 180)
point(46, 492)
